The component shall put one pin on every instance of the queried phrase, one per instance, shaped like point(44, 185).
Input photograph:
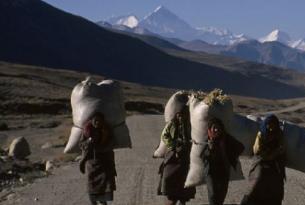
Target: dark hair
point(98, 114)
point(215, 121)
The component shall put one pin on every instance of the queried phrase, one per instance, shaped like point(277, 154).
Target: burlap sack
point(202, 108)
point(106, 97)
point(175, 104)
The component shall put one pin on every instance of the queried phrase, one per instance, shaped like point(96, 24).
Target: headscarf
point(89, 127)
point(264, 126)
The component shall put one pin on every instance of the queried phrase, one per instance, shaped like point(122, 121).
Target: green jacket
point(175, 135)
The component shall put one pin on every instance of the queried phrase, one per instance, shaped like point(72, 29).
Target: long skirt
point(173, 172)
point(101, 176)
point(266, 180)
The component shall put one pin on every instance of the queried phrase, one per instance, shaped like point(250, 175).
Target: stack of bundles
point(202, 108)
point(106, 97)
point(175, 104)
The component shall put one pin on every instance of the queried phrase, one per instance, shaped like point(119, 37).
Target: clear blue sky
point(255, 18)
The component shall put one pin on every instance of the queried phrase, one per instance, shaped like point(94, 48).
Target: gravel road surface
point(137, 176)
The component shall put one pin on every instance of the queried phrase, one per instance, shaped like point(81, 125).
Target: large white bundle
point(175, 104)
point(106, 97)
point(213, 105)
point(199, 115)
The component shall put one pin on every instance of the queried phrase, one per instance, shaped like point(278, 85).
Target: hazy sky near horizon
point(255, 18)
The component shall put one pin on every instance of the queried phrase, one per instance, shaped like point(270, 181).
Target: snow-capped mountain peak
point(162, 13)
point(159, 8)
point(164, 22)
point(130, 21)
point(298, 44)
point(216, 31)
point(276, 35)
point(218, 36)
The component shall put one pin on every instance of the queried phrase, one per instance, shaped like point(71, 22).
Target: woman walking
point(267, 174)
point(98, 160)
point(175, 166)
point(219, 154)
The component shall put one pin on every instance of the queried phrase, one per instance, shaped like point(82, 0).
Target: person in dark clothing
point(98, 160)
point(267, 173)
point(220, 152)
point(175, 166)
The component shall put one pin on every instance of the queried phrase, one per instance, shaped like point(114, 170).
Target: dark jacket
point(98, 163)
point(217, 162)
point(267, 173)
point(175, 166)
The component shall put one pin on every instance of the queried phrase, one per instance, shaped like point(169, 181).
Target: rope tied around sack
point(198, 143)
point(113, 127)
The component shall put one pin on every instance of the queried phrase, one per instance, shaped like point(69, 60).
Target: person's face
point(179, 117)
point(271, 126)
point(215, 131)
point(271, 129)
point(97, 122)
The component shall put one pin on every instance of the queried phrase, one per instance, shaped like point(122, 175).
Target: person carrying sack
point(174, 168)
point(98, 160)
point(267, 173)
point(221, 151)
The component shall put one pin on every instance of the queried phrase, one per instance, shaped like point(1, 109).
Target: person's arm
point(265, 152)
point(84, 146)
point(257, 145)
point(167, 135)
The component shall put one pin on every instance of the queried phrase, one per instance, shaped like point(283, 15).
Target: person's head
point(215, 128)
point(270, 127)
point(97, 120)
point(179, 116)
point(182, 115)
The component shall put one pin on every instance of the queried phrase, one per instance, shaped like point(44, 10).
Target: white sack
point(200, 112)
point(175, 104)
point(106, 97)
point(198, 116)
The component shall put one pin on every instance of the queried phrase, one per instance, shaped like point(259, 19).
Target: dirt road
point(137, 177)
point(296, 107)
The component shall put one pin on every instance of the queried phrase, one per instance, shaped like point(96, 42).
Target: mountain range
point(276, 48)
point(167, 24)
point(35, 33)
point(164, 22)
